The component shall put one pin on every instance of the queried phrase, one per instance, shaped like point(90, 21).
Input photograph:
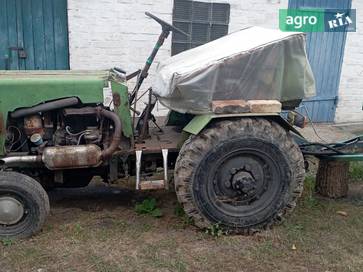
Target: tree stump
point(332, 178)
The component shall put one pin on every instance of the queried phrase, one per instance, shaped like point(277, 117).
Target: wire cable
point(311, 122)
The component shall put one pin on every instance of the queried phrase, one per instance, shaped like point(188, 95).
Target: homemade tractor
point(235, 160)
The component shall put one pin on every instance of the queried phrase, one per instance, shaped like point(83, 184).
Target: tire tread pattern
point(17, 181)
point(196, 146)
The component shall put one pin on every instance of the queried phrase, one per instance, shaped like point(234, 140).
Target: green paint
point(149, 61)
point(27, 89)
point(123, 110)
point(200, 121)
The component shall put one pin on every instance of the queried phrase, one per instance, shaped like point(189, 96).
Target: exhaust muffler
point(68, 157)
point(60, 157)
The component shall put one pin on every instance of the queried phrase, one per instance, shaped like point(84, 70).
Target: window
point(202, 20)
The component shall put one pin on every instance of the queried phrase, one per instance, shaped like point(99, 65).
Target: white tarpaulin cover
point(253, 63)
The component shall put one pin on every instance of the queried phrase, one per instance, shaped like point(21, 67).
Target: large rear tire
point(24, 205)
point(244, 174)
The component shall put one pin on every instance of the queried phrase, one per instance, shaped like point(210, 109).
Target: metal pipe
point(116, 138)
point(138, 168)
point(144, 73)
point(165, 165)
point(20, 159)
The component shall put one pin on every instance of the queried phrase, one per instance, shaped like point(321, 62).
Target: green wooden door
point(33, 35)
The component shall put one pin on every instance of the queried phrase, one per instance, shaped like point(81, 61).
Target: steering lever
point(166, 26)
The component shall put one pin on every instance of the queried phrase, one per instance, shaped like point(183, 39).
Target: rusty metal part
point(171, 138)
point(132, 75)
point(116, 99)
point(67, 157)
point(116, 138)
point(33, 125)
point(12, 160)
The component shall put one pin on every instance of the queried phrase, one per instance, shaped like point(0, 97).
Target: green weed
point(215, 230)
point(148, 206)
point(7, 242)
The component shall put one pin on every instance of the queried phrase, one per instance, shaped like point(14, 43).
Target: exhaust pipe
point(116, 138)
point(20, 159)
point(60, 157)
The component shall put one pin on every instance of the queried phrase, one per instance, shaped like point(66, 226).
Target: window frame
point(216, 18)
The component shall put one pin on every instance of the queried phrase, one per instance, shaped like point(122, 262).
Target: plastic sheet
point(253, 63)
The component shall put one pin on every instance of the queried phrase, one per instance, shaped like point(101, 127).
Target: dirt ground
point(97, 229)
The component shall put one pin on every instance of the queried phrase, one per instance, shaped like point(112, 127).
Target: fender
point(199, 122)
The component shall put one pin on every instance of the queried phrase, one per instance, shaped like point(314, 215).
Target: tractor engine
point(77, 128)
point(62, 134)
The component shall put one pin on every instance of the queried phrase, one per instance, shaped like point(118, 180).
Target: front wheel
point(244, 175)
point(24, 205)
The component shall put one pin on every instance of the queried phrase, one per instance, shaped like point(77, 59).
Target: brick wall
point(349, 108)
point(107, 33)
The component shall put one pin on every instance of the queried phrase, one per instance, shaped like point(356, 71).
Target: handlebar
point(166, 26)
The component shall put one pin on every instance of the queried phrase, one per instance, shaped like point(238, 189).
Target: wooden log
point(332, 178)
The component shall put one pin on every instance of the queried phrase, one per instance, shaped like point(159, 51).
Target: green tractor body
point(27, 89)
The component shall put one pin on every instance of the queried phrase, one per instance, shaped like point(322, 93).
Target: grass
point(106, 234)
point(215, 230)
point(356, 171)
point(180, 213)
point(148, 206)
point(309, 199)
point(7, 242)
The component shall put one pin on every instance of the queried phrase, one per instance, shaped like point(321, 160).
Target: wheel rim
point(244, 182)
point(11, 210)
